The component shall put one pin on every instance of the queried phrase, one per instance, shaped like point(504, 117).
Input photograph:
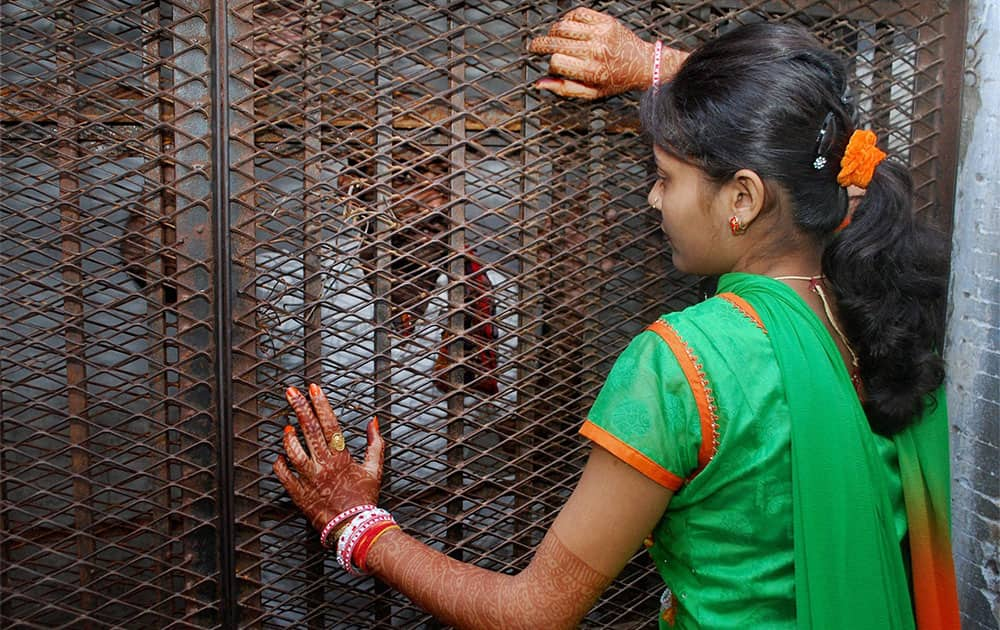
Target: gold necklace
point(818, 289)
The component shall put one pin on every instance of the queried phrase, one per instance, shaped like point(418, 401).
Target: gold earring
point(736, 226)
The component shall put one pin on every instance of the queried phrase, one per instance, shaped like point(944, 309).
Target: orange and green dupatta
point(926, 476)
point(849, 569)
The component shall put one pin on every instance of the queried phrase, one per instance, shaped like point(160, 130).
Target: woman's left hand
point(329, 481)
point(596, 56)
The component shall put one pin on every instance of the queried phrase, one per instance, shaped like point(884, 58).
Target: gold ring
point(337, 442)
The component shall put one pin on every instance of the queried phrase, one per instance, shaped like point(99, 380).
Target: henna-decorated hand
point(599, 56)
point(329, 481)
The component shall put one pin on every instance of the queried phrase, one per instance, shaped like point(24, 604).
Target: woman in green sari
point(781, 449)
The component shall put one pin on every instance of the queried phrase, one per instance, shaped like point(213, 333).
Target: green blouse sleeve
point(646, 415)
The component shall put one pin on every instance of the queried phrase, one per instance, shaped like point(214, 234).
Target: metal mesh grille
point(203, 203)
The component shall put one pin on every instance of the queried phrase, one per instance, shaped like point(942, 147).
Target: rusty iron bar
point(529, 313)
point(196, 335)
point(222, 288)
point(384, 142)
point(952, 75)
point(162, 204)
point(243, 591)
point(939, 81)
point(6, 552)
point(941, 74)
point(312, 271)
point(383, 372)
point(591, 351)
point(68, 163)
point(457, 290)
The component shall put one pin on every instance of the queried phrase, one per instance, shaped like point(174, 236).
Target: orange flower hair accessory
point(860, 159)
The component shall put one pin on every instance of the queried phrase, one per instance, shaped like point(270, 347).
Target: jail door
point(204, 202)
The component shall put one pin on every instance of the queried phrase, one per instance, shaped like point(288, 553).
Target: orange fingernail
point(375, 422)
point(289, 428)
point(291, 392)
point(314, 390)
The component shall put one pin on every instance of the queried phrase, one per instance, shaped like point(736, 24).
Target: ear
point(744, 196)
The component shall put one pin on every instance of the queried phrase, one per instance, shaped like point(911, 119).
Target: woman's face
point(692, 216)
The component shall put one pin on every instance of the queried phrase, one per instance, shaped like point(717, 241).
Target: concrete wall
point(974, 326)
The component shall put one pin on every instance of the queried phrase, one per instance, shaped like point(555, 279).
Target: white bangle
point(324, 537)
point(657, 53)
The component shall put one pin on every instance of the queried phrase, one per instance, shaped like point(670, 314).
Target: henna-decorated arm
point(598, 56)
point(555, 591)
point(609, 513)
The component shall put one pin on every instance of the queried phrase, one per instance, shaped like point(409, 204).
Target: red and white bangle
point(367, 541)
point(657, 54)
point(346, 537)
point(338, 519)
point(356, 554)
point(355, 531)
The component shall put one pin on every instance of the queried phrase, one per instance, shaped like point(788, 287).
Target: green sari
point(788, 512)
point(845, 550)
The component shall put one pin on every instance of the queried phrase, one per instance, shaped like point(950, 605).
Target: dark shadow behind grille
point(391, 190)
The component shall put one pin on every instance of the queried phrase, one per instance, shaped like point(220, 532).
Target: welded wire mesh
point(204, 202)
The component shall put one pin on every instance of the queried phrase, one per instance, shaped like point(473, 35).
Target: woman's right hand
point(329, 481)
point(598, 56)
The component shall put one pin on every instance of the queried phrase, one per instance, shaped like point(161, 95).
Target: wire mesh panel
point(108, 470)
point(204, 202)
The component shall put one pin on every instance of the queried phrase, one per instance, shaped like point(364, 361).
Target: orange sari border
point(744, 307)
point(630, 456)
point(707, 411)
